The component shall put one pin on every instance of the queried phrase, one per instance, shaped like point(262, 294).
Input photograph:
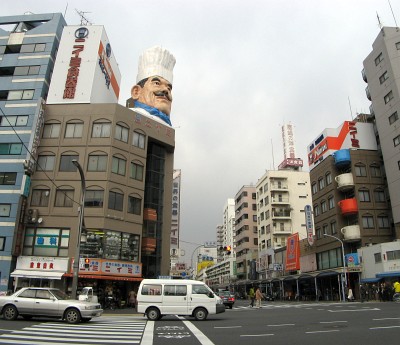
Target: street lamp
point(78, 245)
point(202, 245)
point(344, 266)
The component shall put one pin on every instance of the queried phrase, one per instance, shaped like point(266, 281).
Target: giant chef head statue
point(153, 91)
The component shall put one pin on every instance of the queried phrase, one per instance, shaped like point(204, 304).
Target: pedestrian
point(132, 299)
point(363, 293)
point(259, 297)
point(252, 297)
point(350, 296)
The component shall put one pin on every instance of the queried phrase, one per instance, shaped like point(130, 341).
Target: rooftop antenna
point(351, 111)
point(392, 13)
point(379, 20)
point(65, 12)
point(84, 21)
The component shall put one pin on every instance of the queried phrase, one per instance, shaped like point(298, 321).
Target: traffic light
point(87, 262)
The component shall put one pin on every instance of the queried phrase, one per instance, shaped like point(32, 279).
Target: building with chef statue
point(152, 95)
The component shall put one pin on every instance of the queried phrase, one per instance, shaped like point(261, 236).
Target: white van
point(159, 297)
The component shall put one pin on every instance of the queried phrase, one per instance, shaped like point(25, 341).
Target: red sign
point(293, 253)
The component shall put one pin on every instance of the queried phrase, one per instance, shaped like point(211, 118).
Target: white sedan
point(47, 302)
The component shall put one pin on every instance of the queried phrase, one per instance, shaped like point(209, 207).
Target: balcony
point(351, 233)
point(278, 186)
point(368, 93)
point(280, 200)
point(345, 182)
point(348, 206)
point(364, 75)
point(342, 158)
point(148, 245)
point(281, 214)
point(286, 230)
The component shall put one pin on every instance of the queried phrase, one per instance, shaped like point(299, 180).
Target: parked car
point(31, 301)
point(268, 297)
point(227, 298)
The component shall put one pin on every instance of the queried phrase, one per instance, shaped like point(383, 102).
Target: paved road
point(275, 323)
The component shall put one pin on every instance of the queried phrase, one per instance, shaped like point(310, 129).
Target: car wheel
point(200, 314)
point(10, 312)
point(72, 315)
point(153, 314)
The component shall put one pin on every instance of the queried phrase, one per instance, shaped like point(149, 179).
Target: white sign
point(43, 263)
point(309, 224)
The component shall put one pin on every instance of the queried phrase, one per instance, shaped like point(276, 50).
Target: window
point(51, 130)
point(20, 94)
point(333, 228)
point(325, 229)
point(378, 258)
point(45, 163)
point(200, 290)
point(328, 178)
point(94, 198)
point(97, 163)
point(383, 222)
point(175, 290)
point(26, 70)
point(396, 141)
point(316, 210)
point(314, 188)
point(383, 77)
point(151, 289)
point(360, 170)
point(137, 171)
point(318, 233)
point(378, 59)
point(118, 166)
point(393, 255)
point(14, 121)
point(74, 130)
point(139, 140)
point(5, 210)
point(10, 149)
point(393, 118)
point(33, 48)
point(121, 133)
point(331, 202)
point(40, 197)
point(46, 242)
point(368, 222)
point(363, 195)
point(379, 195)
point(64, 198)
point(66, 162)
point(321, 183)
point(375, 170)
point(388, 97)
point(324, 207)
point(116, 201)
point(8, 178)
point(2, 243)
point(134, 205)
point(101, 130)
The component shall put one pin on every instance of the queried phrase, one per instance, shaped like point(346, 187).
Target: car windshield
point(59, 294)
point(225, 293)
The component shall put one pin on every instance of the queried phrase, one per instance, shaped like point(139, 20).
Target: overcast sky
point(243, 69)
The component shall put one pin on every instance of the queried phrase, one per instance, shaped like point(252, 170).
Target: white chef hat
point(156, 61)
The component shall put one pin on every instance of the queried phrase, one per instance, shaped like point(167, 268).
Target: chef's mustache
point(163, 94)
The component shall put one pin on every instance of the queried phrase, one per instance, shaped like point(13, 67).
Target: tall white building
point(382, 73)
point(228, 224)
point(281, 198)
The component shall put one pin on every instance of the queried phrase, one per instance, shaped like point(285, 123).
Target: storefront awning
point(37, 274)
point(106, 277)
point(388, 274)
point(370, 280)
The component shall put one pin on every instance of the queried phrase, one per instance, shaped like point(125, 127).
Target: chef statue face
point(154, 91)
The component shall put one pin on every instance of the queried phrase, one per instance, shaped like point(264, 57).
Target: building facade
point(27, 54)
point(382, 75)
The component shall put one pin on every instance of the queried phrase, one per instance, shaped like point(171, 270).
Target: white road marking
point(345, 310)
point(332, 321)
point(201, 337)
point(147, 338)
point(229, 327)
point(257, 335)
point(387, 318)
point(283, 324)
point(313, 332)
point(385, 327)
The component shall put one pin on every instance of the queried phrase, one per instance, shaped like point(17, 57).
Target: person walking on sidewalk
point(259, 297)
point(252, 297)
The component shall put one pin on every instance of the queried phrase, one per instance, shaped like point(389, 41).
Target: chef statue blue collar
point(152, 95)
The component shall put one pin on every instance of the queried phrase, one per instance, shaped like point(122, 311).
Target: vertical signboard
point(309, 224)
point(293, 253)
